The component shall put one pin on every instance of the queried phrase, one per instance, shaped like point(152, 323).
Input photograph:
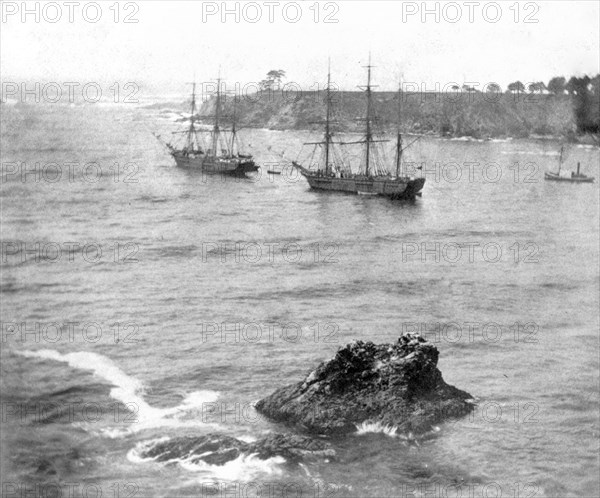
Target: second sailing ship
point(220, 155)
point(374, 178)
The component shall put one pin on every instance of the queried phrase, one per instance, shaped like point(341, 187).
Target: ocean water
point(143, 302)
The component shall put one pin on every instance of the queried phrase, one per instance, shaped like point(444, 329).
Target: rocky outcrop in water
point(218, 449)
point(391, 384)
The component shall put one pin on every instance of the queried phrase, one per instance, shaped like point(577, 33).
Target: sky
point(174, 42)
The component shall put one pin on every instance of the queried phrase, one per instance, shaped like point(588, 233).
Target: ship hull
point(218, 166)
point(571, 179)
point(394, 188)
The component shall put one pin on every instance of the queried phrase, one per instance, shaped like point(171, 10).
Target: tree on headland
point(578, 85)
point(536, 87)
point(557, 85)
point(571, 86)
point(517, 86)
point(494, 88)
point(586, 103)
point(273, 80)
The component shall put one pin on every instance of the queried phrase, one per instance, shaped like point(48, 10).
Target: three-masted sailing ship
point(374, 177)
point(220, 155)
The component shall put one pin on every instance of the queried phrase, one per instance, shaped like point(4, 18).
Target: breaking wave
point(243, 468)
point(129, 390)
point(376, 428)
point(409, 438)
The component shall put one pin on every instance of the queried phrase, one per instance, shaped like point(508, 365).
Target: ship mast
point(233, 130)
point(399, 137)
point(328, 134)
point(369, 135)
point(216, 131)
point(327, 118)
point(368, 140)
point(560, 158)
point(192, 130)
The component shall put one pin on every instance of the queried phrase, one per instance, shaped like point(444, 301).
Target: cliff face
point(453, 114)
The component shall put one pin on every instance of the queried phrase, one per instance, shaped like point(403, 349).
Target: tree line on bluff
point(564, 107)
point(586, 97)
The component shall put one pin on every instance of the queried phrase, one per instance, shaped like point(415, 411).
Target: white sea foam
point(376, 427)
point(464, 139)
point(408, 439)
point(246, 438)
point(243, 468)
point(129, 391)
point(530, 153)
point(305, 469)
point(134, 454)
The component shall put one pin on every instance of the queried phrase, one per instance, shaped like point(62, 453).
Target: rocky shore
point(477, 115)
point(395, 385)
point(219, 449)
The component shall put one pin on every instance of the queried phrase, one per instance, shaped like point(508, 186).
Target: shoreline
point(580, 139)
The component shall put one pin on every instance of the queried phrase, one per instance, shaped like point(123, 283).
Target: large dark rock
point(218, 449)
point(393, 384)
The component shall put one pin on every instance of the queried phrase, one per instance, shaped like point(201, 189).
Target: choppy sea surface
point(142, 302)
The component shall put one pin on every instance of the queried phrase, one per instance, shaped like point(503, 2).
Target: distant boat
point(275, 168)
point(221, 155)
point(567, 176)
point(374, 177)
